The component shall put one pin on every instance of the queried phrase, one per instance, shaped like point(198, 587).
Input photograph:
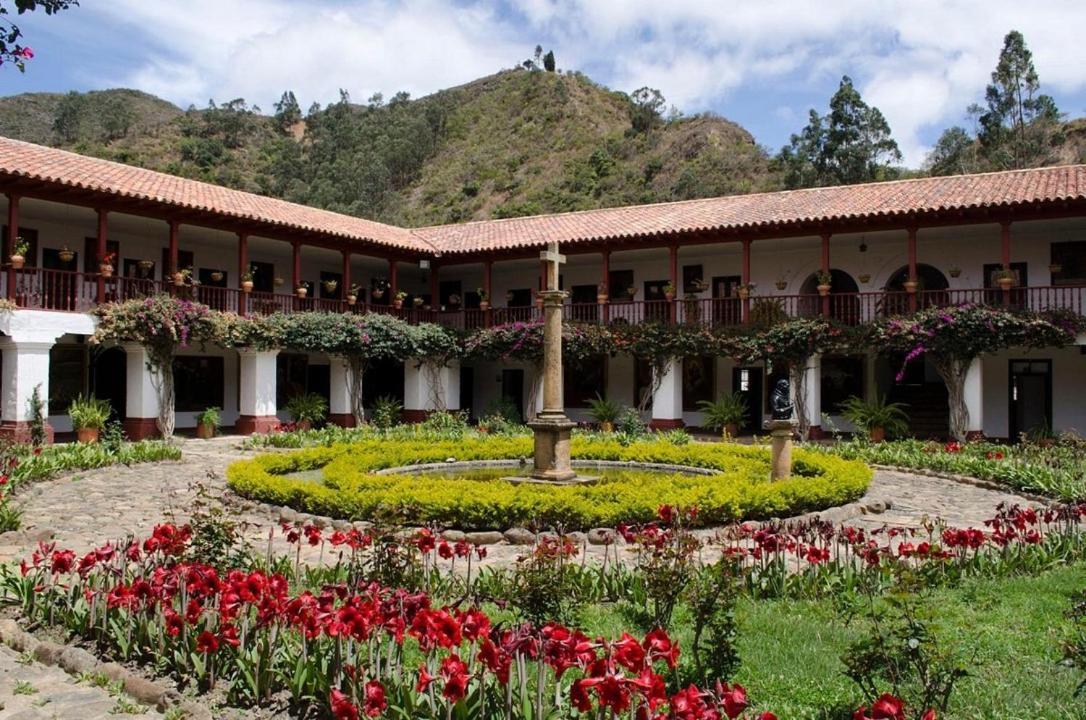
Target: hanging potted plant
point(144, 264)
point(781, 284)
point(66, 255)
point(632, 292)
point(910, 286)
point(18, 253)
point(1005, 278)
point(105, 266)
point(669, 291)
point(217, 275)
point(352, 293)
point(864, 279)
point(825, 281)
point(745, 290)
point(954, 272)
point(397, 301)
point(247, 279)
point(89, 416)
point(484, 299)
point(330, 286)
point(278, 282)
point(418, 302)
point(302, 290)
point(207, 423)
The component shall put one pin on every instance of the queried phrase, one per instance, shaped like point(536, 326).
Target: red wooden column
point(604, 288)
point(826, 269)
point(103, 233)
point(746, 279)
point(912, 267)
point(488, 277)
point(13, 234)
point(345, 283)
point(1005, 252)
point(673, 277)
point(243, 267)
point(296, 265)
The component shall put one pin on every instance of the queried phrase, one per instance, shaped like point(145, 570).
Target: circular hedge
point(350, 489)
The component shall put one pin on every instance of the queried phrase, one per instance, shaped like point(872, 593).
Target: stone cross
point(553, 258)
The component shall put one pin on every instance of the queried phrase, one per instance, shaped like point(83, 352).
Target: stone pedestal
point(780, 463)
point(552, 454)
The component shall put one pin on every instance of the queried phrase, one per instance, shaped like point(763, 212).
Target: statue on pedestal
point(781, 400)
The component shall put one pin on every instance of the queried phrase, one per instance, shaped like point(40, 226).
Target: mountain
point(515, 143)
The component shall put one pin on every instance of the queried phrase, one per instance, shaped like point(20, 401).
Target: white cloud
point(921, 62)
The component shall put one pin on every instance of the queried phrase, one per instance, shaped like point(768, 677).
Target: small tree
point(646, 106)
point(952, 338)
point(548, 61)
point(287, 111)
point(161, 324)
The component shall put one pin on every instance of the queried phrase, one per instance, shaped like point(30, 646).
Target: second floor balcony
point(71, 291)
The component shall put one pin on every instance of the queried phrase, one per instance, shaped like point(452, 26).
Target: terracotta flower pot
point(484, 304)
point(106, 270)
point(824, 290)
point(877, 434)
point(302, 292)
point(1005, 283)
point(398, 304)
point(744, 293)
point(205, 431)
point(955, 272)
point(607, 426)
point(87, 435)
point(178, 279)
point(246, 285)
point(602, 299)
point(910, 286)
point(669, 296)
point(352, 299)
point(303, 425)
point(731, 430)
point(17, 261)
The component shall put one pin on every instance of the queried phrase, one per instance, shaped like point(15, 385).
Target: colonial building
point(886, 248)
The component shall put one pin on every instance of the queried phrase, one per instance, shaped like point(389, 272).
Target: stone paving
point(32, 691)
point(83, 510)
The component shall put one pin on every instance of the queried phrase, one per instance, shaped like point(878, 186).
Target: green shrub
point(875, 414)
point(89, 413)
point(210, 417)
point(724, 411)
point(310, 407)
point(351, 489)
point(386, 412)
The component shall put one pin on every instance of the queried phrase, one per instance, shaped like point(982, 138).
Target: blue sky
point(762, 64)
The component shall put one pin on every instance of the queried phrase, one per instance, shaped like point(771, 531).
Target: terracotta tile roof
point(734, 212)
point(738, 212)
point(79, 171)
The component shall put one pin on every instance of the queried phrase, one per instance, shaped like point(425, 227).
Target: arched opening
point(109, 377)
point(844, 302)
point(931, 289)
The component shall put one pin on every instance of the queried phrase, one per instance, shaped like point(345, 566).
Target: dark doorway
point(319, 380)
point(931, 290)
point(843, 300)
point(1030, 397)
point(583, 306)
point(450, 294)
point(656, 305)
point(263, 276)
point(331, 280)
point(58, 290)
point(108, 377)
point(384, 378)
point(467, 390)
point(513, 389)
point(727, 308)
point(749, 383)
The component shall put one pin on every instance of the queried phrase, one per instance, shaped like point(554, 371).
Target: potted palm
point(602, 295)
point(604, 412)
point(307, 410)
point(378, 291)
point(877, 418)
point(89, 416)
point(825, 282)
point(1005, 278)
point(247, 279)
point(397, 301)
point(182, 276)
point(725, 414)
point(207, 423)
point(745, 290)
point(302, 290)
point(18, 253)
point(484, 299)
point(352, 293)
point(669, 291)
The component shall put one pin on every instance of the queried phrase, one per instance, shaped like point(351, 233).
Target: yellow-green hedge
point(742, 490)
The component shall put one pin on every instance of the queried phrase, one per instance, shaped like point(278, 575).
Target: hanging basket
point(66, 255)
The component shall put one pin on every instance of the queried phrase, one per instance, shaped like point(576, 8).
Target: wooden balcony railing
point(67, 291)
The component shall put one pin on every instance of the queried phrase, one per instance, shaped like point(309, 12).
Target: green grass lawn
point(791, 650)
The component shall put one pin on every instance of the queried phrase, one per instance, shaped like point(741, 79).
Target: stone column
point(667, 401)
point(140, 399)
point(813, 396)
point(340, 411)
point(257, 386)
point(780, 444)
point(427, 389)
point(26, 366)
point(974, 399)
point(551, 426)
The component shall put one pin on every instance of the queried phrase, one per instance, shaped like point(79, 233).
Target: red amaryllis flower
point(342, 707)
point(444, 550)
point(229, 635)
point(374, 702)
point(62, 561)
point(929, 715)
point(425, 541)
point(424, 680)
point(734, 700)
point(660, 647)
point(887, 707)
point(578, 696)
point(174, 623)
point(206, 642)
point(628, 653)
point(455, 674)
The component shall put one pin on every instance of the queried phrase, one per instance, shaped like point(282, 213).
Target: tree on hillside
point(955, 153)
point(68, 118)
point(1021, 127)
point(646, 106)
point(117, 116)
point(11, 48)
point(548, 61)
point(852, 144)
point(287, 111)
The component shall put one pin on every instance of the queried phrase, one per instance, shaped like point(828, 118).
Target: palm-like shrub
point(877, 417)
point(386, 412)
point(89, 413)
point(604, 411)
point(309, 408)
point(725, 414)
